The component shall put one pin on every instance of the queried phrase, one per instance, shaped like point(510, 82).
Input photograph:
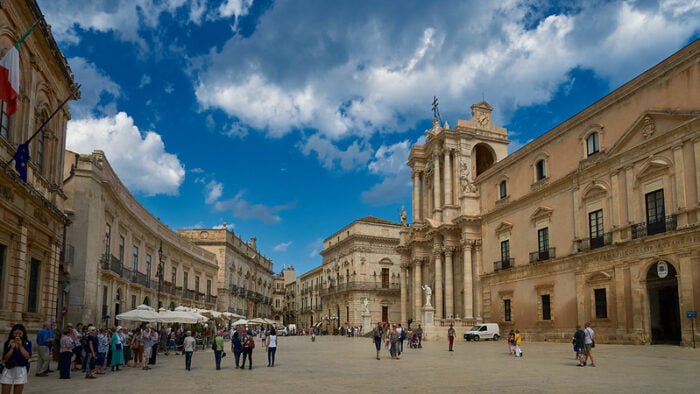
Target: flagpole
point(71, 95)
point(26, 33)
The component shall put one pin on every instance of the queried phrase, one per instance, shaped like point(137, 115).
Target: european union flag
point(21, 159)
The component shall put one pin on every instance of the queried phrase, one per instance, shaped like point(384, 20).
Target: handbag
point(213, 345)
point(592, 343)
point(118, 346)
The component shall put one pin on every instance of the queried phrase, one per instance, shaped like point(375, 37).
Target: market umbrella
point(143, 313)
point(179, 317)
point(257, 320)
point(240, 322)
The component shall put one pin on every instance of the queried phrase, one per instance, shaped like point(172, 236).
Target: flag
point(21, 159)
point(9, 79)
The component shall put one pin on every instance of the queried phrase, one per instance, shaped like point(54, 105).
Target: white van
point(483, 331)
point(292, 329)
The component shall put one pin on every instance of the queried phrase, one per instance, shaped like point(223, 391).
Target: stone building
point(31, 213)
point(595, 220)
point(121, 250)
point(361, 274)
point(308, 299)
point(244, 279)
point(289, 310)
point(280, 283)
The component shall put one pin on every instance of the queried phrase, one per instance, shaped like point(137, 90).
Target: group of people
point(584, 341)
point(392, 336)
point(515, 342)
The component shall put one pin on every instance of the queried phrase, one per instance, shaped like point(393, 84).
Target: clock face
point(482, 118)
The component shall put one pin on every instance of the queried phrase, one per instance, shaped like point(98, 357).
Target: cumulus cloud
point(138, 157)
point(389, 163)
point(97, 92)
point(214, 191)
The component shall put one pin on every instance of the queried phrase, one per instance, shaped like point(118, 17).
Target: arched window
point(592, 144)
point(540, 170)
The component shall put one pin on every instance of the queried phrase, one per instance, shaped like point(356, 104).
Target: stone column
point(424, 197)
point(403, 286)
point(436, 186)
point(449, 292)
point(467, 280)
point(417, 287)
point(437, 255)
point(448, 178)
point(416, 197)
point(479, 270)
point(679, 173)
point(696, 150)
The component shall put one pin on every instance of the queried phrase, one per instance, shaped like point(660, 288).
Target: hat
point(69, 325)
point(119, 328)
point(92, 328)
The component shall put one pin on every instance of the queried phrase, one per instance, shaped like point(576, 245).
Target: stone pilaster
point(448, 178)
point(437, 255)
point(467, 280)
point(449, 283)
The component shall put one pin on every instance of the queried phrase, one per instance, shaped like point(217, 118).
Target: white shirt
point(273, 341)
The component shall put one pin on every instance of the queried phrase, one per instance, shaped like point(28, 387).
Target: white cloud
point(139, 158)
point(97, 91)
point(214, 191)
point(390, 163)
point(330, 156)
point(282, 247)
point(243, 209)
point(145, 81)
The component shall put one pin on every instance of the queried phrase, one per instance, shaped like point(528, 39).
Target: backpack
point(403, 335)
point(251, 342)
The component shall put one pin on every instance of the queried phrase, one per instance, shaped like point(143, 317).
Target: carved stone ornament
point(464, 179)
point(648, 127)
point(429, 168)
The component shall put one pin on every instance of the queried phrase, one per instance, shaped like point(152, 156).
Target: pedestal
point(428, 315)
point(367, 321)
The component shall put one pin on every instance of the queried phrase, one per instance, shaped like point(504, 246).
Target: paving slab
point(334, 364)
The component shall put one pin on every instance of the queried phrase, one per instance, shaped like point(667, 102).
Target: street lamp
point(159, 273)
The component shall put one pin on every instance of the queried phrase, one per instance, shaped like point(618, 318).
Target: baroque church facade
point(596, 220)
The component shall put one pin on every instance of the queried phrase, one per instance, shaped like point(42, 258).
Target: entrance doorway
point(664, 309)
point(385, 313)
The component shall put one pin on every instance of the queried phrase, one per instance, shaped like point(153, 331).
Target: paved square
point(347, 365)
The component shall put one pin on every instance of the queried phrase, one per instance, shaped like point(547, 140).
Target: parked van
point(292, 329)
point(483, 331)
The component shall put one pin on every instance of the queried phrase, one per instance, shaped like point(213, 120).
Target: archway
point(664, 309)
point(484, 158)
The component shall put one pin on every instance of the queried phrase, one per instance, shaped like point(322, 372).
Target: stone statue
point(365, 306)
point(428, 292)
point(465, 179)
point(403, 216)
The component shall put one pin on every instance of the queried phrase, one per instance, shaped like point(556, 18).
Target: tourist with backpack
point(248, 344)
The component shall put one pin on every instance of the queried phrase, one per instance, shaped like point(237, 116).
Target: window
point(208, 287)
point(543, 243)
point(505, 250)
point(148, 268)
point(135, 261)
point(595, 228)
point(540, 170)
point(39, 159)
point(4, 121)
point(656, 216)
point(33, 299)
point(133, 301)
point(601, 304)
point(2, 270)
point(108, 239)
point(277, 304)
point(546, 309)
point(502, 189)
point(196, 284)
point(184, 280)
point(592, 144)
point(121, 248)
point(173, 276)
point(506, 310)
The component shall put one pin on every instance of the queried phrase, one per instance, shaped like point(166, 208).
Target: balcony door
point(655, 215)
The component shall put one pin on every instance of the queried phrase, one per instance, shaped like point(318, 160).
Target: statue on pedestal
point(365, 306)
point(403, 216)
point(428, 292)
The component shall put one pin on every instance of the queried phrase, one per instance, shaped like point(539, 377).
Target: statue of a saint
point(365, 306)
point(403, 216)
point(428, 292)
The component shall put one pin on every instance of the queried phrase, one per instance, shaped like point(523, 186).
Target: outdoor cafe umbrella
point(179, 317)
point(142, 313)
point(240, 322)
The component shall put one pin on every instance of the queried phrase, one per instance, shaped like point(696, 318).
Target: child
point(518, 342)
point(511, 342)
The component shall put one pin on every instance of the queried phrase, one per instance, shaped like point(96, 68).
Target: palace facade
point(244, 279)
point(123, 256)
point(32, 222)
point(596, 220)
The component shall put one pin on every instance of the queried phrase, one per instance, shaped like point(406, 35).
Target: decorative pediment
point(648, 126)
point(600, 276)
point(541, 213)
point(654, 165)
point(595, 190)
point(504, 227)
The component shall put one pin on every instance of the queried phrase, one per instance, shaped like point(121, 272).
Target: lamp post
point(159, 273)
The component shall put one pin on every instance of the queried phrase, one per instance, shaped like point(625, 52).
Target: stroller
point(413, 344)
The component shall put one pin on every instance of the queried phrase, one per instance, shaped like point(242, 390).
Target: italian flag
point(9, 79)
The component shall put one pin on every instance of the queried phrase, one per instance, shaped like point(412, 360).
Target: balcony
point(504, 264)
point(640, 230)
point(189, 294)
point(542, 255)
point(111, 263)
point(357, 285)
point(586, 244)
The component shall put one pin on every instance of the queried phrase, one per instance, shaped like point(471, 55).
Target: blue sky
point(288, 120)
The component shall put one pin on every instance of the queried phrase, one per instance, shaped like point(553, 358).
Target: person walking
point(589, 343)
point(377, 338)
point(102, 349)
point(16, 354)
point(580, 346)
point(402, 337)
point(392, 339)
point(188, 345)
point(248, 344)
point(236, 348)
point(44, 340)
point(419, 334)
point(518, 342)
point(148, 336)
point(91, 352)
point(511, 342)
point(271, 347)
point(117, 349)
point(451, 337)
point(136, 346)
point(218, 346)
point(66, 353)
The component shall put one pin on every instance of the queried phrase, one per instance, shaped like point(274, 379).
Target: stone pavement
point(348, 365)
